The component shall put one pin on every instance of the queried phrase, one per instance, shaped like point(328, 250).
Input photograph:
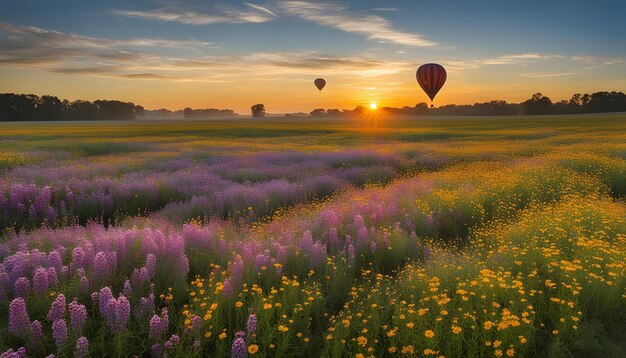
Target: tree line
point(598, 102)
point(29, 107)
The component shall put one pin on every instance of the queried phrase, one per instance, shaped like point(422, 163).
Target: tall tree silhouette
point(258, 110)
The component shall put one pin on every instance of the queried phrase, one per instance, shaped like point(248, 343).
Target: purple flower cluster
point(78, 316)
point(59, 332)
point(238, 349)
point(19, 322)
point(57, 309)
point(159, 326)
point(118, 314)
point(82, 347)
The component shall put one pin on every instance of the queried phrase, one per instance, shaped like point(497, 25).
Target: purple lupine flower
point(351, 254)
point(156, 350)
point(144, 276)
point(36, 333)
point(22, 287)
point(127, 290)
point(251, 325)
point(238, 350)
point(317, 254)
point(78, 316)
point(122, 312)
point(78, 258)
point(175, 339)
point(110, 315)
point(151, 265)
point(196, 344)
point(118, 314)
point(111, 261)
point(51, 215)
point(82, 347)
point(83, 284)
point(53, 279)
point(165, 321)
point(59, 332)
point(19, 323)
point(104, 297)
point(240, 334)
point(156, 330)
point(20, 353)
point(195, 323)
point(65, 272)
point(54, 260)
point(306, 242)
point(145, 307)
point(168, 345)
point(40, 281)
point(57, 309)
point(228, 290)
point(100, 266)
point(373, 247)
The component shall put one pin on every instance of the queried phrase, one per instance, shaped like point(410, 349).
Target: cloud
point(529, 58)
point(72, 54)
point(29, 45)
point(373, 26)
point(217, 15)
point(260, 8)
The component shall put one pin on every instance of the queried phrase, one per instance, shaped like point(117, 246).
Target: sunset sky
point(232, 54)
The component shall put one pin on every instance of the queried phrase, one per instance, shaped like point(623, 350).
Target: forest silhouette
point(30, 107)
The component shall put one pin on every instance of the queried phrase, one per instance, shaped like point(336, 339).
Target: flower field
point(446, 237)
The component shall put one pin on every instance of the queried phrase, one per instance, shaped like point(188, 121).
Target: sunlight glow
point(373, 105)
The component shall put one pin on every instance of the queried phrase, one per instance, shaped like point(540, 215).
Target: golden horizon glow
point(373, 106)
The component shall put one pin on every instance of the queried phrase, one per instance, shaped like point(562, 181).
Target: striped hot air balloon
point(431, 77)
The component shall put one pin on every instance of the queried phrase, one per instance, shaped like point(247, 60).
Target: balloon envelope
point(320, 83)
point(431, 78)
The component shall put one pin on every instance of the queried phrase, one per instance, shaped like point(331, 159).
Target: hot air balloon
point(431, 77)
point(320, 83)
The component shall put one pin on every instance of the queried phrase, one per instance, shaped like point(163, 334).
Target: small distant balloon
point(320, 83)
point(431, 77)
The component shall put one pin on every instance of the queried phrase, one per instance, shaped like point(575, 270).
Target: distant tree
point(207, 113)
point(258, 110)
point(116, 109)
point(320, 112)
point(606, 102)
point(358, 109)
point(537, 104)
point(84, 110)
point(333, 112)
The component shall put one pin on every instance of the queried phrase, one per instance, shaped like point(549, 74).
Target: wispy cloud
point(28, 45)
point(72, 54)
point(336, 16)
point(260, 8)
point(222, 14)
point(529, 58)
point(375, 27)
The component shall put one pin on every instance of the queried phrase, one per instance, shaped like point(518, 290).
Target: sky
point(233, 54)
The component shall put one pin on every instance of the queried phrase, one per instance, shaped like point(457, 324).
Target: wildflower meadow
point(408, 237)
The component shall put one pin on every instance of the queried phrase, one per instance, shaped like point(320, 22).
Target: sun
point(373, 105)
